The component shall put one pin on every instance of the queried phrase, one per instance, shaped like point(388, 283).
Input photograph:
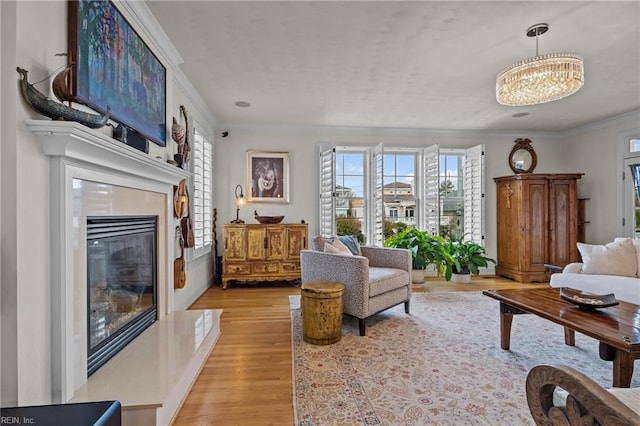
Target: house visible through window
point(375, 190)
point(201, 197)
point(399, 194)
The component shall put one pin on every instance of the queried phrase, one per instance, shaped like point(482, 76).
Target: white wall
point(301, 143)
point(30, 40)
point(8, 288)
point(31, 185)
point(590, 150)
point(596, 149)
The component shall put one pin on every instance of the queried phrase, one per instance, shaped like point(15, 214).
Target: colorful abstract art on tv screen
point(114, 67)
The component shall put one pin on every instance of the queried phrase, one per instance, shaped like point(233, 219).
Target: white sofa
point(610, 268)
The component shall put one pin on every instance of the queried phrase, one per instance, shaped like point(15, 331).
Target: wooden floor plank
point(247, 378)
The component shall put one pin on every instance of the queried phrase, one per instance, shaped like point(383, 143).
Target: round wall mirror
point(522, 158)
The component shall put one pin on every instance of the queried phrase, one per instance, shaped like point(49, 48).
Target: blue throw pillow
point(352, 243)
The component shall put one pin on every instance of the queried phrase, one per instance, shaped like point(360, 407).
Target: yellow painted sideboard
point(258, 252)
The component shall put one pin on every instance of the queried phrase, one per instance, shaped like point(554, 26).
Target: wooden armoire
point(537, 224)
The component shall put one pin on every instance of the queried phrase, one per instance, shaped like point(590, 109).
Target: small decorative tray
point(588, 300)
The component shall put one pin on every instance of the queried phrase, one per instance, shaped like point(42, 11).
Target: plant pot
point(461, 278)
point(417, 276)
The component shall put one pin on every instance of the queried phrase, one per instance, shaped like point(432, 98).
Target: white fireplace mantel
point(74, 141)
point(92, 174)
point(80, 154)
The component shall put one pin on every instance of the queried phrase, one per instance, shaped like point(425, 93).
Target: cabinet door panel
point(234, 243)
point(296, 240)
point(537, 225)
point(275, 243)
point(255, 243)
point(509, 224)
point(563, 212)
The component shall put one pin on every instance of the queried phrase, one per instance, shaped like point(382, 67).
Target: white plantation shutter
point(201, 192)
point(327, 190)
point(474, 194)
point(430, 189)
point(378, 195)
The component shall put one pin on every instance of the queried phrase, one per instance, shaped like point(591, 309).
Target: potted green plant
point(425, 250)
point(466, 258)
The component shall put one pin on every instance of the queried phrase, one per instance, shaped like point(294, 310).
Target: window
point(451, 194)
point(201, 194)
point(398, 178)
point(445, 195)
point(349, 192)
point(629, 224)
point(631, 202)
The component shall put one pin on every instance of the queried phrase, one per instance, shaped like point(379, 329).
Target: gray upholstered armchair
point(374, 281)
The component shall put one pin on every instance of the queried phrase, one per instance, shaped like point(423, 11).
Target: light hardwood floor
point(247, 378)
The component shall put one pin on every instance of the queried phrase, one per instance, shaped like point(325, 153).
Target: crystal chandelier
point(543, 78)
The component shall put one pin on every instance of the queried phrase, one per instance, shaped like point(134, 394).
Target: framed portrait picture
point(268, 177)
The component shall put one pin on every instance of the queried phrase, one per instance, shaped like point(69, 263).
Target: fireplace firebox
point(122, 283)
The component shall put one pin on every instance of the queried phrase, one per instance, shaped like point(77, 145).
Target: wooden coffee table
point(617, 328)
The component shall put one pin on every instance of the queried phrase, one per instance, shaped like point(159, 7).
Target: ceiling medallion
point(541, 79)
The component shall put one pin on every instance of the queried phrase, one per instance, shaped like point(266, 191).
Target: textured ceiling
point(424, 65)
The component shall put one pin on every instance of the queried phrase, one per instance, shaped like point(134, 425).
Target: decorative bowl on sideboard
point(267, 220)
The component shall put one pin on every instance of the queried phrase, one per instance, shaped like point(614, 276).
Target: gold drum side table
point(321, 306)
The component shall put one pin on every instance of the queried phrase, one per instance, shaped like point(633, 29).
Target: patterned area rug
point(440, 365)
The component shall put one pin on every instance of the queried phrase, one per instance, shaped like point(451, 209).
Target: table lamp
point(240, 202)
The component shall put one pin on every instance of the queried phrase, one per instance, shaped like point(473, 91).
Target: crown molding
point(333, 130)
point(381, 131)
point(151, 31)
point(183, 83)
point(607, 122)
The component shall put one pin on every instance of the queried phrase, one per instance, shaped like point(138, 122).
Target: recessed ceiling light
point(520, 114)
point(243, 104)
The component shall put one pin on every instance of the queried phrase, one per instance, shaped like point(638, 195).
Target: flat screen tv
point(114, 67)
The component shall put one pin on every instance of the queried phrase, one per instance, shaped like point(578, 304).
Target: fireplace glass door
point(121, 278)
